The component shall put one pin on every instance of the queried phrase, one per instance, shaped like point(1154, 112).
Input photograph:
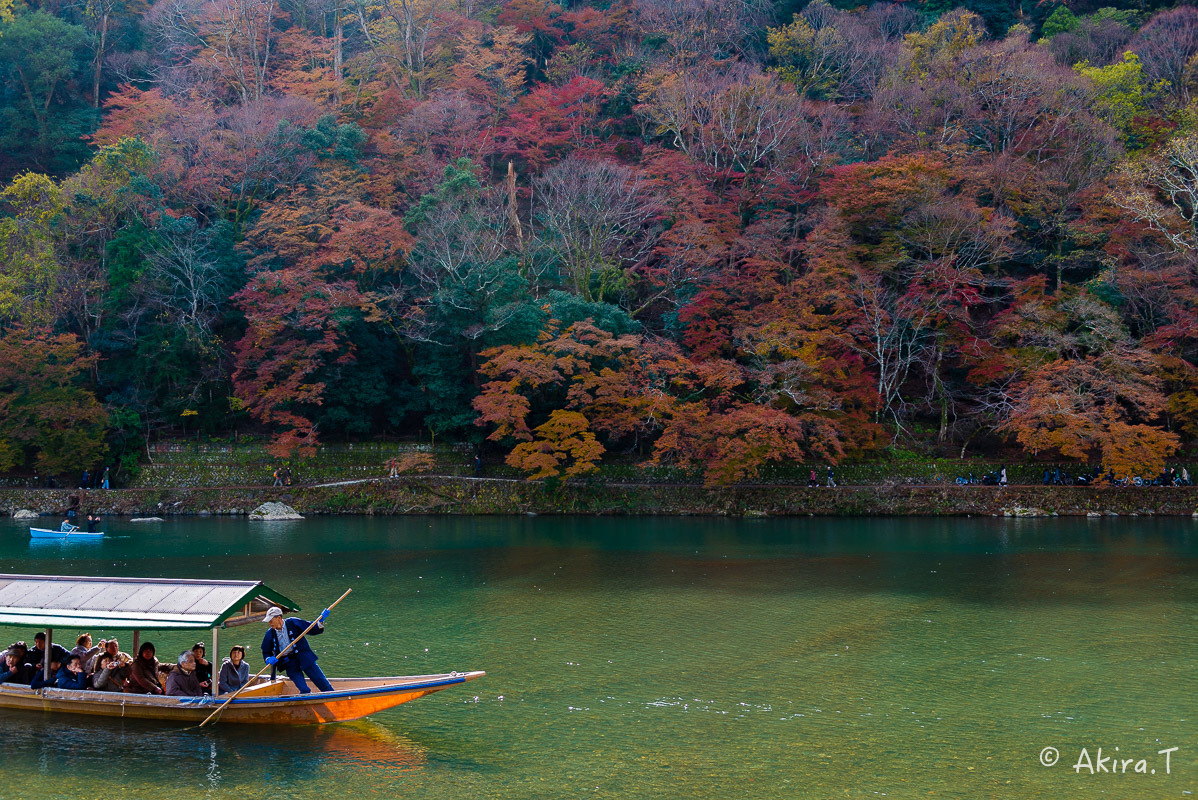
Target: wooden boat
point(272, 702)
point(155, 604)
point(43, 533)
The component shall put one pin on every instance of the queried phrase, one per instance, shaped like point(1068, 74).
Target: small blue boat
point(42, 533)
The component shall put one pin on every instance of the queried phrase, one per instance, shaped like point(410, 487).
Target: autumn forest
point(708, 233)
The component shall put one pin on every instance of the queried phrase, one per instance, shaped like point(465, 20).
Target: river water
point(673, 657)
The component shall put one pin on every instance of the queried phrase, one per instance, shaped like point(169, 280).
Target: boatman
point(300, 660)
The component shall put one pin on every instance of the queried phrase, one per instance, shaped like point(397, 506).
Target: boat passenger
point(67, 527)
point(15, 670)
point(113, 648)
point(72, 676)
point(84, 649)
point(234, 672)
point(182, 682)
point(39, 675)
point(37, 654)
point(91, 666)
point(203, 665)
point(18, 649)
point(300, 660)
point(143, 675)
point(110, 677)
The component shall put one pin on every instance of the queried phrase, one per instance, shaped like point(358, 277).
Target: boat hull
point(43, 533)
point(268, 703)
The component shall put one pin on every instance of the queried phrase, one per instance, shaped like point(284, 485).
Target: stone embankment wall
point(248, 463)
point(441, 495)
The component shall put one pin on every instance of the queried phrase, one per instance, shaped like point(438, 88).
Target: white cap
point(272, 612)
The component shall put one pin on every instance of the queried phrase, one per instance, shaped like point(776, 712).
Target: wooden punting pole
point(46, 655)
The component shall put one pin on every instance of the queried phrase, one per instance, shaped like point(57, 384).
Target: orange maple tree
point(635, 389)
point(564, 445)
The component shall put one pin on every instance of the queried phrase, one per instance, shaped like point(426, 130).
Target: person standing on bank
point(300, 660)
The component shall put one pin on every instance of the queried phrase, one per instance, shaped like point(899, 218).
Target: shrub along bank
point(447, 495)
point(248, 463)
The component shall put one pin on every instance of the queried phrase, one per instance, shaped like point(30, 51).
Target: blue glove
point(271, 661)
point(323, 616)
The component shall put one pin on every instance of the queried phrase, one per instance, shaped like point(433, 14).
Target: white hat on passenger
point(272, 612)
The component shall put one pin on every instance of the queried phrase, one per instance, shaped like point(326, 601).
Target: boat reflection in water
point(89, 756)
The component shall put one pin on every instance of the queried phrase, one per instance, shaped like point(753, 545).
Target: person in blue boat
point(71, 675)
point(300, 660)
point(67, 527)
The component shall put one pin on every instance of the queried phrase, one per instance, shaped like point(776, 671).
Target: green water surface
point(666, 657)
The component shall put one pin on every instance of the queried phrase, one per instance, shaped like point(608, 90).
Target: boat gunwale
point(53, 534)
point(389, 688)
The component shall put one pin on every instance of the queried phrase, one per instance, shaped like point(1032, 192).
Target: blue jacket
point(295, 626)
point(39, 679)
point(71, 680)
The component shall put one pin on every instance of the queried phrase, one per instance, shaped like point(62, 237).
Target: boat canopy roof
point(49, 601)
